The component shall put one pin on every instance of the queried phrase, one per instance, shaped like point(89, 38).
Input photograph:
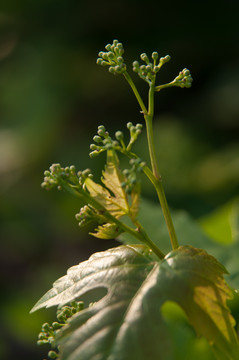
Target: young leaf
point(116, 204)
point(107, 231)
point(127, 324)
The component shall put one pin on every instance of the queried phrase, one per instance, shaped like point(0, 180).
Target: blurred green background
point(53, 97)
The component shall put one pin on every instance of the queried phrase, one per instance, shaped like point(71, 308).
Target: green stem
point(154, 175)
point(164, 86)
point(156, 179)
point(136, 93)
point(164, 205)
point(150, 135)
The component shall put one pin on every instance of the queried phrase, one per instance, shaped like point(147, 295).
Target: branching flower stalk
point(147, 72)
point(137, 284)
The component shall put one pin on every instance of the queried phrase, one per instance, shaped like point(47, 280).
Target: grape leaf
point(116, 204)
point(190, 233)
point(127, 324)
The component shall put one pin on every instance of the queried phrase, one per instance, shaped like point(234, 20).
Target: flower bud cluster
point(135, 131)
point(113, 58)
point(48, 332)
point(87, 215)
point(184, 79)
point(131, 175)
point(148, 70)
point(56, 175)
point(106, 141)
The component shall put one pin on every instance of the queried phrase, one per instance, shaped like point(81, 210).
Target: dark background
point(52, 98)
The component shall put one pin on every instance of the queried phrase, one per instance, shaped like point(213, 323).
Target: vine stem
point(154, 175)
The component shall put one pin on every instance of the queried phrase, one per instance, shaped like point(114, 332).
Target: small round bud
point(47, 173)
point(121, 51)
point(99, 61)
point(120, 59)
point(119, 135)
point(61, 317)
point(46, 327)
point(155, 55)
point(42, 342)
point(112, 70)
point(42, 336)
point(56, 325)
point(144, 57)
point(52, 354)
point(94, 153)
point(108, 47)
point(110, 55)
point(97, 139)
point(80, 305)
point(129, 125)
point(101, 128)
point(93, 147)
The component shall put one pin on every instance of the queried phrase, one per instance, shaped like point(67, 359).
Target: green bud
point(42, 336)
point(94, 153)
point(121, 51)
point(93, 147)
point(97, 139)
point(115, 43)
point(42, 342)
point(56, 325)
point(165, 59)
point(80, 305)
point(129, 125)
point(108, 47)
point(110, 55)
point(101, 128)
point(99, 61)
point(55, 168)
point(155, 55)
point(52, 354)
point(46, 327)
point(145, 58)
point(61, 317)
point(119, 135)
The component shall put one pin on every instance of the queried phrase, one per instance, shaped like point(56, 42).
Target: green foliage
point(127, 322)
point(138, 279)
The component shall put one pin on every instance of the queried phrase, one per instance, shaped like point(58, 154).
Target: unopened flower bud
point(108, 47)
point(119, 135)
point(144, 57)
point(155, 55)
point(52, 354)
point(97, 139)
